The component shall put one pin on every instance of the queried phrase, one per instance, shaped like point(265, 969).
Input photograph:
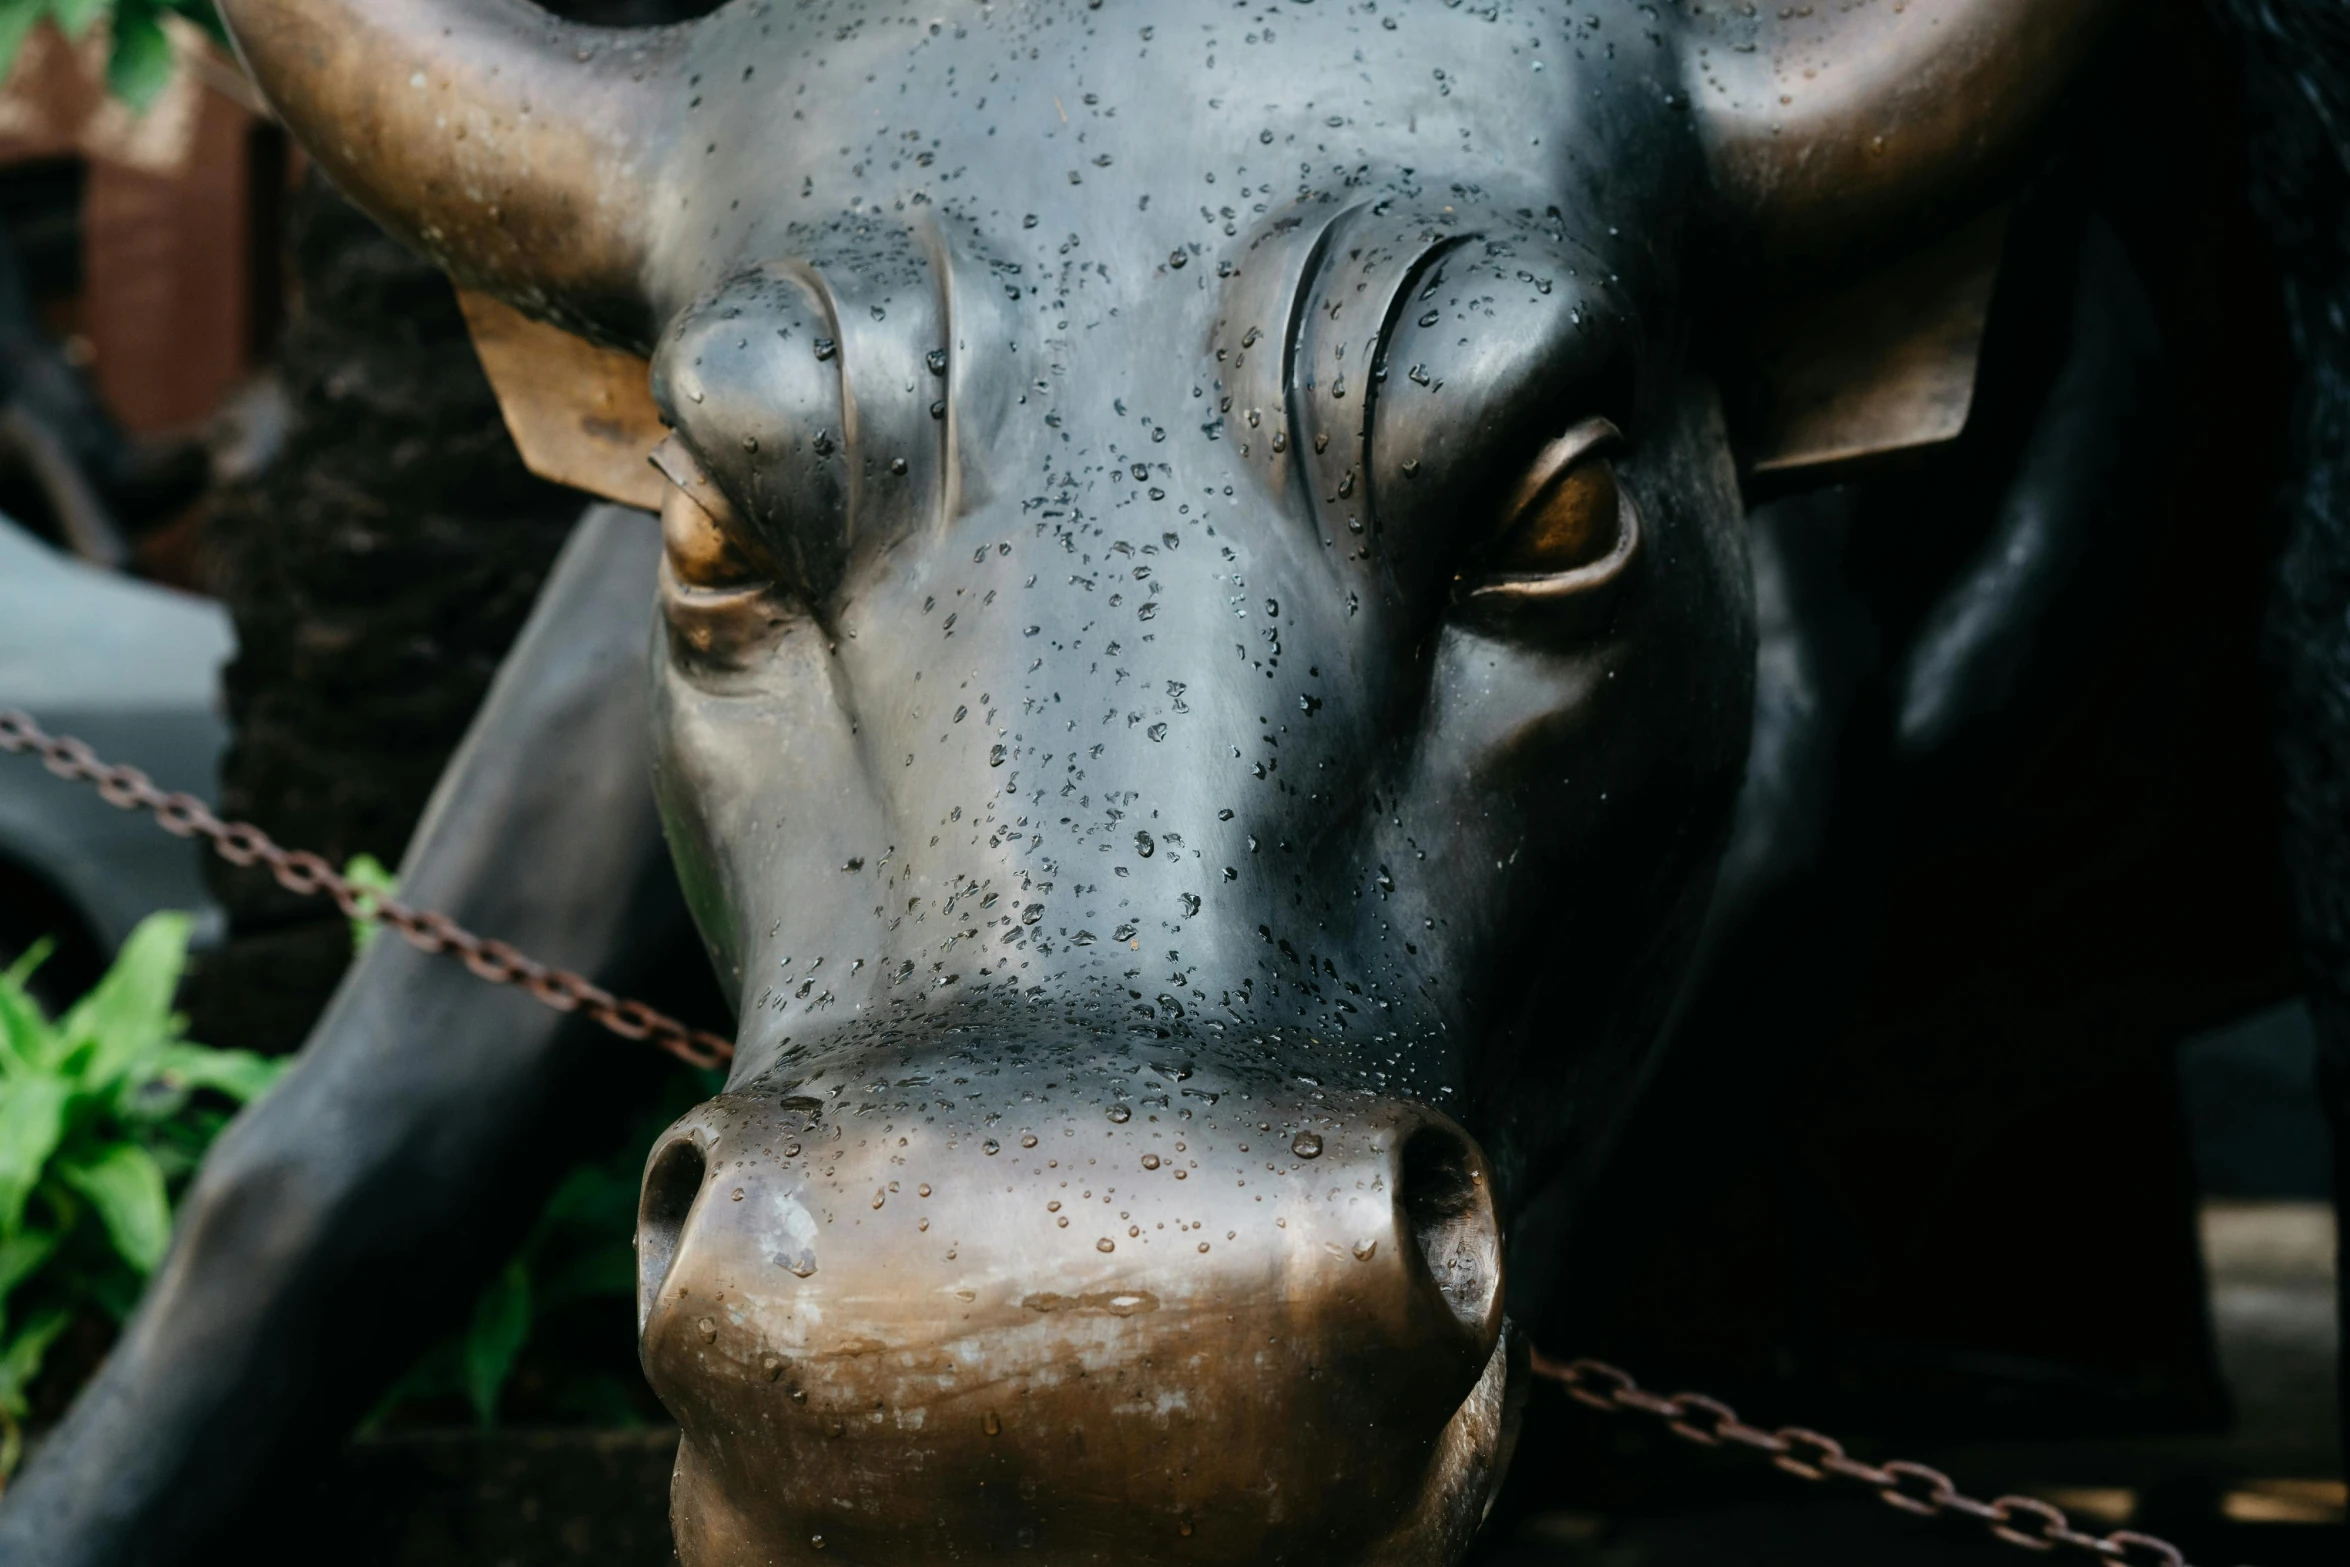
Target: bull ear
point(1854, 146)
point(516, 150)
point(579, 414)
point(1867, 368)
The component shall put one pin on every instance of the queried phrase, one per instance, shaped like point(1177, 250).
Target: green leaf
point(128, 1015)
point(501, 1326)
point(603, 1272)
point(20, 1361)
point(125, 1186)
point(75, 16)
point(26, 1039)
point(140, 66)
point(32, 1119)
point(240, 1074)
point(21, 1257)
point(367, 873)
point(20, 973)
point(594, 1197)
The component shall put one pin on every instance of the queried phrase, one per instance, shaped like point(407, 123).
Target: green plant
point(580, 1253)
point(139, 59)
point(564, 1300)
point(367, 873)
point(104, 1113)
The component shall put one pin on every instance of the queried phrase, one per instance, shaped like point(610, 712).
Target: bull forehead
point(1141, 131)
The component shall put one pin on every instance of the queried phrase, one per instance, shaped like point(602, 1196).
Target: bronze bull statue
point(1205, 657)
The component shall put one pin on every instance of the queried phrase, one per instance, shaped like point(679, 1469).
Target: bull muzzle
point(1057, 1313)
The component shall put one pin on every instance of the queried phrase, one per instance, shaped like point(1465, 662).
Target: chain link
point(2023, 1521)
point(307, 874)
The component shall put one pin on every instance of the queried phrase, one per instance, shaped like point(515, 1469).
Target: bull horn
point(516, 150)
point(1827, 122)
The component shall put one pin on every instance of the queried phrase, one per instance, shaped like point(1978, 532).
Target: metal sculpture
point(1205, 656)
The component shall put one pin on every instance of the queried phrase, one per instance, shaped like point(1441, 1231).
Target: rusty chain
point(1917, 1489)
point(1913, 1488)
point(307, 874)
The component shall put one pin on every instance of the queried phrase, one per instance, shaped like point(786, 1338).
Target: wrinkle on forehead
point(1148, 129)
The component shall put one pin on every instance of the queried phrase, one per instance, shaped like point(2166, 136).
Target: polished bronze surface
point(580, 415)
point(1142, 1319)
point(1875, 366)
point(1838, 124)
point(520, 152)
point(1209, 649)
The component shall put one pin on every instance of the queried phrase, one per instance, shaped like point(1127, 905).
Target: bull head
point(1207, 661)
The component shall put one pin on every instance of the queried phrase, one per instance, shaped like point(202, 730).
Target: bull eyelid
point(1554, 461)
point(674, 461)
point(705, 548)
point(1553, 464)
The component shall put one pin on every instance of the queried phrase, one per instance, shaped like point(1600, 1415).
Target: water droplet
point(1105, 1244)
point(738, 1194)
point(1306, 1146)
point(995, 756)
point(991, 1146)
point(1157, 731)
point(826, 348)
point(1150, 1161)
point(1028, 1139)
point(937, 360)
point(1144, 846)
point(1176, 259)
point(708, 1328)
point(1120, 1114)
point(923, 1190)
point(1364, 1249)
point(791, 1150)
point(880, 1197)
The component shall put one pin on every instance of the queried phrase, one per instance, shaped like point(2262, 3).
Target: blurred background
point(263, 534)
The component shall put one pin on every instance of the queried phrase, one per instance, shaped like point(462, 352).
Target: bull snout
point(929, 1319)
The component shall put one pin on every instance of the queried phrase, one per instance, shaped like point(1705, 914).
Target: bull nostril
point(1449, 1214)
point(672, 1181)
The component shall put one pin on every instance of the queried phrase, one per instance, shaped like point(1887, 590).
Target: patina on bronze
point(1204, 595)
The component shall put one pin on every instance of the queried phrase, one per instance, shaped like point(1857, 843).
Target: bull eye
point(701, 553)
point(705, 549)
point(1568, 514)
